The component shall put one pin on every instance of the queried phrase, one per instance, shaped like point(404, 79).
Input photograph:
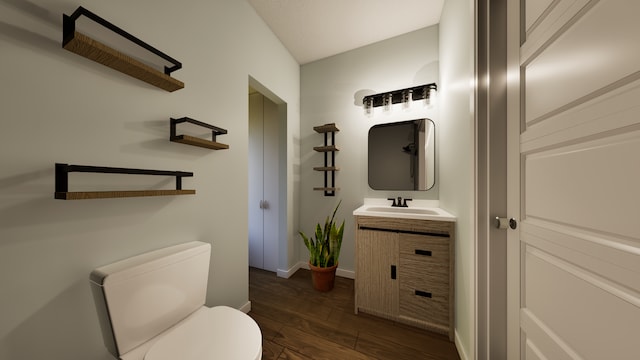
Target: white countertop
point(417, 209)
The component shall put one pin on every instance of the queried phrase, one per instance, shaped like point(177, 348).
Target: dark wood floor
point(300, 323)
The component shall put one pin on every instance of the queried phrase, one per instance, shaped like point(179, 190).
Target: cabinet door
point(376, 254)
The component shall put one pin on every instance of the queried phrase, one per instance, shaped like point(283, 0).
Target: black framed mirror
point(402, 155)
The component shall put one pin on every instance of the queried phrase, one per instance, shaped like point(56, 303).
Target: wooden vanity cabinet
point(405, 271)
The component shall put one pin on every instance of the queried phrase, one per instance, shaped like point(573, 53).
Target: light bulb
point(368, 106)
point(407, 98)
point(387, 100)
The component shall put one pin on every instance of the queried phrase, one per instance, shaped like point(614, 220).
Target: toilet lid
point(220, 332)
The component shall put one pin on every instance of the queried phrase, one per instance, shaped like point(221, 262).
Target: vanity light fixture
point(404, 96)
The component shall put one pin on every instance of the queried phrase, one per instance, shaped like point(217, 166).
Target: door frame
point(491, 178)
point(514, 172)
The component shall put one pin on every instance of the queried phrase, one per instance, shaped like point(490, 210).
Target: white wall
point(457, 149)
point(59, 107)
point(332, 90)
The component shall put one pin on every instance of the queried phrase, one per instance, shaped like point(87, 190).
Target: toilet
point(151, 307)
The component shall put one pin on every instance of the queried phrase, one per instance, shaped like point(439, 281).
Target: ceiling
point(316, 29)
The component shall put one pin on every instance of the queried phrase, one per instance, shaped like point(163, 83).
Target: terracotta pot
point(323, 278)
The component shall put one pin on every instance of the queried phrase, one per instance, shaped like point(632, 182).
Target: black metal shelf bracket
point(63, 170)
point(69, 28)
point(214, 129)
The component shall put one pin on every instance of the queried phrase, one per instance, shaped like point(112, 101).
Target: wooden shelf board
point(326, 128)
point(326, 148)
point(327, 168)
point(82, 195)
point(100, 53)
point(191, 140)
point(326, 188)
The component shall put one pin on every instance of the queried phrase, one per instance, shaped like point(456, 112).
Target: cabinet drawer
point(424, 247)
point(419, 274)
point(429, 305)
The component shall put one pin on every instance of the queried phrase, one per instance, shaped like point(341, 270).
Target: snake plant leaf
point(336, 241)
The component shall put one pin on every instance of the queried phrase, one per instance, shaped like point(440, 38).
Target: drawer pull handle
point(393, 272)
point(423, 293)
point(423, 252)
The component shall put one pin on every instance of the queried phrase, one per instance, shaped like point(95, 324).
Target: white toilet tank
point(149, 293)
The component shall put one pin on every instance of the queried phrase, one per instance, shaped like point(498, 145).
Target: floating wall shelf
point(62, 183)
point(83, 45)
point(329, 151)
point(191, 140)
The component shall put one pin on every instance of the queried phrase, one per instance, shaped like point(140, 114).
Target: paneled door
point(263, 182)
point(574, 179)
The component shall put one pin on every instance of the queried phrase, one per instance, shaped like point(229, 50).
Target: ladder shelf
point(329, 149)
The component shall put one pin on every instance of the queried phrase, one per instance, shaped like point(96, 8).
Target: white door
point(263, 182)
point(574, 179)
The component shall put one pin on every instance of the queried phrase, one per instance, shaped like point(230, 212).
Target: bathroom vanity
point(405, 265)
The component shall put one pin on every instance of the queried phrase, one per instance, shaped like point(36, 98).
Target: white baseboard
point(288, 273)
point(246, 307)
point(349, 274)
point(461, 351)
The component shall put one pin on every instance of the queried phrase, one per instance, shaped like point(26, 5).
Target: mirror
point(402, 155)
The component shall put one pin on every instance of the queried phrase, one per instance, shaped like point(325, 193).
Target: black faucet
point(399, 203)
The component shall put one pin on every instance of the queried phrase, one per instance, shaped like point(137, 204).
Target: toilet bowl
point(151, 307)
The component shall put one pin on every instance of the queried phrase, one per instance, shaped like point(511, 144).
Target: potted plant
point(324, 252)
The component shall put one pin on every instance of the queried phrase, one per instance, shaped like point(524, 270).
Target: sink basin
point(403, 210)
point(416, 212)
